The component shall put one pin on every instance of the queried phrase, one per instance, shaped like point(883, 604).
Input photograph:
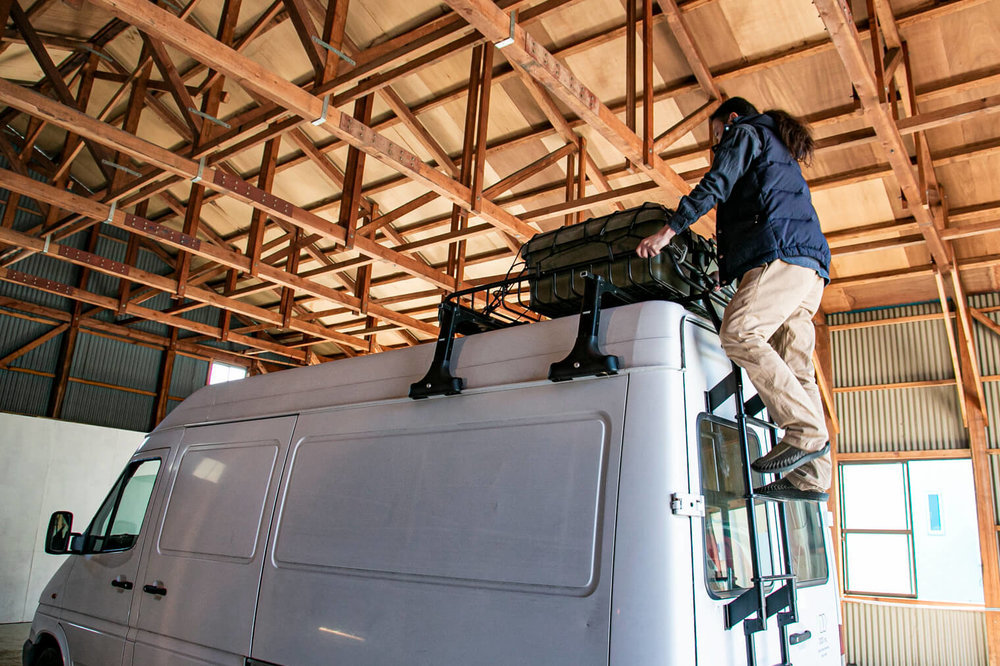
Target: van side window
point(116, 524)
point(727, 541)
point(806, 543)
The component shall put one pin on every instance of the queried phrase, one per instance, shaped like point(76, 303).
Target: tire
point(50, 656)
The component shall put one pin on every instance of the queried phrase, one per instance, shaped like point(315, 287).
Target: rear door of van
point(471, 529)
point(198, 589)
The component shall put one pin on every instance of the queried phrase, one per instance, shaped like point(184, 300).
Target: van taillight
point(843, 646)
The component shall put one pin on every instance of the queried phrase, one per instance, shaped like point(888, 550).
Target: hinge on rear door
point(687, 504)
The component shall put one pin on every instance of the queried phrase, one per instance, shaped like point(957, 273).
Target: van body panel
point(652, 602)
point(482, 531)
point(209, 544)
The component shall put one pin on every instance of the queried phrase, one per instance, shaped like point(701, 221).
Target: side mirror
point(58, 533)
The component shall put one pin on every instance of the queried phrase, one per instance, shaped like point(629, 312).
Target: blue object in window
point(934, 506)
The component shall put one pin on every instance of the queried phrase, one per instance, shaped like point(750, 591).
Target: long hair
point(795, 134)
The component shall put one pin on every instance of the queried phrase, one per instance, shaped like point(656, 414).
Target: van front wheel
point(50, 656)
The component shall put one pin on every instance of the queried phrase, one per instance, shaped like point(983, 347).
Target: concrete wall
point(45, 466)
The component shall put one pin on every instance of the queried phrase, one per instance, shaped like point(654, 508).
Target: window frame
point(775, 542)
point(908, 532)
point(115, 494)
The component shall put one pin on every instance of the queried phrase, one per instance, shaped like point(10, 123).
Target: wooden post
point(971, 394)
point(647, 82)
point(258, 220)
point(459, 217)
point(350, 201)
point(163, 385)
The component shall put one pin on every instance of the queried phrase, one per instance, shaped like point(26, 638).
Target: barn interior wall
point(45, 466)
point(897, 399)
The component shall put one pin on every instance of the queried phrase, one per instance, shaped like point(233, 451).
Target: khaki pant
point(767, 330)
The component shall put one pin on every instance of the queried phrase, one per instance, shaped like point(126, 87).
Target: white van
point(320, 516)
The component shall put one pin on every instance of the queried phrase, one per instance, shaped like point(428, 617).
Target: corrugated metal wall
point(112, 383)
point(906, 419)
point(902, 635)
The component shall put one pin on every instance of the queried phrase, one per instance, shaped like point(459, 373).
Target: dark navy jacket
point(765, 210)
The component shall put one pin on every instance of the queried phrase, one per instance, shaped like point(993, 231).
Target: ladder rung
point(763, 424)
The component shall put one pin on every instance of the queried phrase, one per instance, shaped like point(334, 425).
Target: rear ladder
point(755, 606)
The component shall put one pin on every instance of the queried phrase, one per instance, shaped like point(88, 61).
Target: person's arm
point(732, 159)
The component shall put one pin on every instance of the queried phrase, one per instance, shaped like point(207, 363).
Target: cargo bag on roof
point(556, 262)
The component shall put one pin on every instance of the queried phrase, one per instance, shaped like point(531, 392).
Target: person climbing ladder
point(770, 242)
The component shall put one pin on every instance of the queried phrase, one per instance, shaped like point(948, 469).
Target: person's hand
point(714, 277)
point(650, 246)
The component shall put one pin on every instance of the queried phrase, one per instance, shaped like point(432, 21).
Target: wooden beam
point(684, 127)
point(420, 133)
point(952, 348)
point(179, 240)
point(34, 344)
point(529, 55)
point(163, 383)
point(979, 446)
point(163, 283)
point(354, 176)
point(213, 177)
point(840, 24)
point(693, 55)
point(253, 77)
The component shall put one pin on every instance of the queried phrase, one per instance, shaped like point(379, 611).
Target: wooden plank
point(684, 127)
point(902, 456)
point(631, 28)
point(333, 34)
point(163, 382)
point(306, 30)
point(54, 77)
point(166, 284)
point(647, 82)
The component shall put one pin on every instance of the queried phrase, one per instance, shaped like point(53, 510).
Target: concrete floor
point(12, 637)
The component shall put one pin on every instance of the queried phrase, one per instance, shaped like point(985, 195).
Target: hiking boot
point(783, 490)
point(785, 457)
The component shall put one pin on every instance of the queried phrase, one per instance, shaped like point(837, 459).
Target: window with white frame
point(223, 372)
point(909, 530)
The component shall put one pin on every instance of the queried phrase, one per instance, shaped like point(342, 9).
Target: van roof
point(642, 335)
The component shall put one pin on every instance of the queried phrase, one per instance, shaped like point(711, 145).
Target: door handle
point(122, 583)
point(800, 637)
point(155, 589)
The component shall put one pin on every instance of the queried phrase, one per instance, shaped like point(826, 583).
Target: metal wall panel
point(910, 419)
point(891, 353)
point(189, 375)
point(101, 406)
point(101, 359)
point(910, 635)
point(24, 393)
point(15, 333)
